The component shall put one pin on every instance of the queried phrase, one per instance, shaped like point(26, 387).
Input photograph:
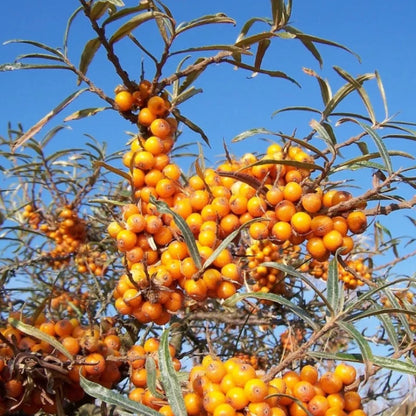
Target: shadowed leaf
point(90, 49)
point(204, 20)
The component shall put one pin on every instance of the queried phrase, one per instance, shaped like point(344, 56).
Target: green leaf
point(39, 56)
point(250, 40)
point(38, 126)
point(406, 367)
point(86, 112)
point(360, 340)
point(310, 38)
point(382, 93)
point(132, 24)
point(301, 276)
point(186, 95)
point(191, 125)
point(334, 287)
point(247, 26)
point(125, 12)
point(39, 45)
point(297, 310)
point(343, 92)
point(361, 91)
point(99, 8)
point(204, 20)
point(90, 49)
point(189, 238)
point(296, 108)
point(36, 333)
point(226, 242)
point(380, 145)
point(169, 378)
point(117, 3)
point(261, 50)
point(249, 133)
point(191, 77)
point(19, 65)
point(325, 132)
point(113, 169)
point(324, 86)
point(274, 74)
point(114, 398)
point(229, 48)
point(151, 376)
point(68, 27)
point(369, 156)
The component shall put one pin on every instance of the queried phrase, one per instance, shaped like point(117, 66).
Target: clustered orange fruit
point(267, 196)
point(95, 353)
point(66, 302)
point(67, 233)
point(233, 388)
point(351, 279)
point(91, 260)
point(268, 279)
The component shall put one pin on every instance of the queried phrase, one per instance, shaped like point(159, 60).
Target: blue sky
point(382, 32)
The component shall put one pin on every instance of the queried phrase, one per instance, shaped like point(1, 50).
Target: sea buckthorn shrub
point(230, 287)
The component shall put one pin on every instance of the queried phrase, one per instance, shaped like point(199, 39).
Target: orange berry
point(255, 390)
point(144, 160)
point(301, 222)
point(352, 401)
point(114, 228)
point(160, 128)
point(318, 405)
point(256, 206)
point(340, 224)
point(196, 289)
point(281, 231)
point(241, 373)
point(309, 373)
point(311, 202)
point(321, 225)
point(292, 191)
point(303, 390)
point(285, 210)
point(94, 363)
point(224, 409)
point(212, 400)
point(316, 248)
point(357, 222)
point(136, 223)
point(332, 240)
point(298, 409)
point(137, 394)
point(259, 409)
point(291, 378)
point(145, 117)
point(327, 198)
point(340, 196)
point(139, 377)
point(225, 290)
point(124, 100)
point(154, 144)
point(236, 397)
point(71, 344)
point(346, 373)
point(258, 230)
point(151, 310)
point(157, 105)
point(63, 328)
point(126, 240)
point(193, 403)
point(238, 204)
point(330, 383)
point(215, 370)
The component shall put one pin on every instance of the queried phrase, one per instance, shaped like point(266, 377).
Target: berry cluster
point(271, 195)
point(67, 232)
point(233, 388)
point(355, 273)
point(95, 354)
point(268, 279)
